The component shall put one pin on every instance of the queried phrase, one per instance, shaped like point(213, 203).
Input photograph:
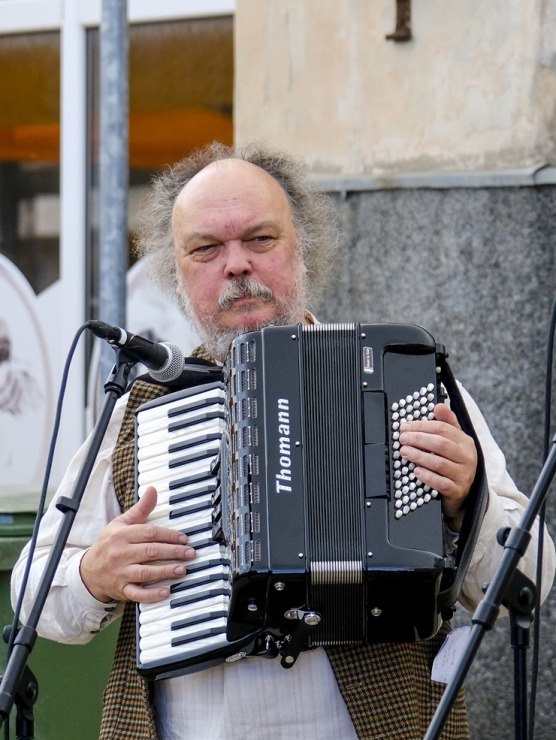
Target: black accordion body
point(310, 527)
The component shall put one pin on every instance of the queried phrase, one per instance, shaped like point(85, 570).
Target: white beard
point(289, 311)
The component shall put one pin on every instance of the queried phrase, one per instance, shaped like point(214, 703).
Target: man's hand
point(129, 554)
point(445, 459)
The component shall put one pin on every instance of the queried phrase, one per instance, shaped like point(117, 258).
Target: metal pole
point(114, 162)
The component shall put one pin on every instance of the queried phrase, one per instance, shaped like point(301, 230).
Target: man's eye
point(260, 239)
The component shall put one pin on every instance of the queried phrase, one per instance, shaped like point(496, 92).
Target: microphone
point(164, 360)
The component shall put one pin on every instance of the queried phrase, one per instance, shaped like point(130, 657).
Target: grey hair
point(314, 214)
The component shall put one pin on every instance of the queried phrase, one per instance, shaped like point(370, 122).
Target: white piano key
point(217, 569)
point(149, 432)
point(162, 467)
point(166, 509)
point(164, 639)
point(215, 552)
point(195, 539)
point(178, 463)
point(220, 572)
point(184, 522)
point(165, 476)
point(203, 610)
point(190, 490)
point(197, 417)
point(151, 444)
point(181, 652)
point(164, 610)
point(164, 409)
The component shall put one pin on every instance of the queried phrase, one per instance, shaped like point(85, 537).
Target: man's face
point(236, 249)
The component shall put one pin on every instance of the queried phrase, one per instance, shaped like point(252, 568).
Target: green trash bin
point(71, 678)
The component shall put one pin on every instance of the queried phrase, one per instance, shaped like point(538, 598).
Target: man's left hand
point(445, 459)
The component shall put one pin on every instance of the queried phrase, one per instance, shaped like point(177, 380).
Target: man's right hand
point(130, 554)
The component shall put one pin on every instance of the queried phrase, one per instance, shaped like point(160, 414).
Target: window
point(30, 155)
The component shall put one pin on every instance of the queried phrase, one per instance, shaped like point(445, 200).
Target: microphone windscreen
point(173, 368)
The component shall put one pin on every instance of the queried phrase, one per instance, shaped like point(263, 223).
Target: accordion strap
point(476, 500)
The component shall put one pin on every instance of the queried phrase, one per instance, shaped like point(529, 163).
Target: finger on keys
point(139, 513)
point(140, 594)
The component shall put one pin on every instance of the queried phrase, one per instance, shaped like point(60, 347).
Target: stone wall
point(477, 268)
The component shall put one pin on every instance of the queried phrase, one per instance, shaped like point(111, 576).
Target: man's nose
point(238, 259)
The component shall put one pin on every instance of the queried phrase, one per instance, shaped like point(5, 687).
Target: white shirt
point(257, 694)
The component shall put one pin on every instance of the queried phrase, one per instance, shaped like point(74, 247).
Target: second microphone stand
point(511, 588)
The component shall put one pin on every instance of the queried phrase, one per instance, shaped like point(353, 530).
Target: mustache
point(243, 287)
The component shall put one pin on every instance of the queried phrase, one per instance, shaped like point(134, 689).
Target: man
point(241, 239)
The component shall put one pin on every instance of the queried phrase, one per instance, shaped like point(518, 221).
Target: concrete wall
point(473, 89)
point(472, 94)
point(477, 268)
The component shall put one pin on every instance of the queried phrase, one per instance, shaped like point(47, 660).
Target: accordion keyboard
point(178, 438)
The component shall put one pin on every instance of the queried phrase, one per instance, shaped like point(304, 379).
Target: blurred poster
point(26, 390)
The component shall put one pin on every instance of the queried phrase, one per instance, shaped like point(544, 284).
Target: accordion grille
point(333, 454)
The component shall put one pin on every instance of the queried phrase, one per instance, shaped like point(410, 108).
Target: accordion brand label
point(368, 360)
point(284, 477)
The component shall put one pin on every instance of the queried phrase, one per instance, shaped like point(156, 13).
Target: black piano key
point(202, 454)
point(198, 598)
point(195, 567)
point(207, 542)
point(201, 580)
point(191, 509)
point(216, 513)
point(194, 420)
point(201, 634)
point(197, 529)
point(215, 465)
point(216, 495)
point(218, 533)
point(192, 478)
point(192, 404)
point(201, 439)
point(208, 487)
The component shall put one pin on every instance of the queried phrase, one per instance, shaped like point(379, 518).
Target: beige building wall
point(474, 89)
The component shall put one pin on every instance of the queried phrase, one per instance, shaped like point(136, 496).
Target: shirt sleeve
point(505, 508)
point(71, 614)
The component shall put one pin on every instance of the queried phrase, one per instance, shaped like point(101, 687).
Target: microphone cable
point(42, 500)
point(542, 519)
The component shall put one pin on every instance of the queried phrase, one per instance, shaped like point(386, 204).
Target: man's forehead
point(228, 199)
point(228, 174)
point(231, 165)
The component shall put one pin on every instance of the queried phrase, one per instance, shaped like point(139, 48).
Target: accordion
point(310, 527)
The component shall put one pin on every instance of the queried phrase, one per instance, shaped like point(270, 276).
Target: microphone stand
point(511, 588)
point(18, 685)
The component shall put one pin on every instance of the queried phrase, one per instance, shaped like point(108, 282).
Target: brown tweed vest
point(387, 688)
